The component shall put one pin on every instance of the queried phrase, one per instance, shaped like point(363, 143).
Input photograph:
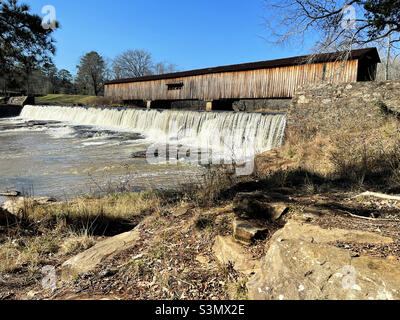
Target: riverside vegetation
point(77, 100)
point(316, 169)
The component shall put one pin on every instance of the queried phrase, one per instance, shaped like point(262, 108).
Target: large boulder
point(228, 251)
point(258, 205)
point(88, 260)
point(303, 264)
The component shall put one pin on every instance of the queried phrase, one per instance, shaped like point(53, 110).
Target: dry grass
point(106, 215)
point(30, 252)
point(359, 152)
point(311, 154)
point(363, 153)
point(75, 243)
point(214, 186)
point(50, 231)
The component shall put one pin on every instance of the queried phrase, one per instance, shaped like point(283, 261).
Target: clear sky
point(191, 34)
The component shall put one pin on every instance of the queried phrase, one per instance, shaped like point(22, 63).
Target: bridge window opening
point(175, 86)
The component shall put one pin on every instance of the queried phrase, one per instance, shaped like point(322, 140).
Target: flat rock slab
point(257, 205)
point(88, 260)
point(226, 250)
point(298, 229)
point(302, 264)
point(297, 270)
point(245, 231)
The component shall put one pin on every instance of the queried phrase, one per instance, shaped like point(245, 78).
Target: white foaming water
point(62, 133)
point(88, 144)
point(264, 131)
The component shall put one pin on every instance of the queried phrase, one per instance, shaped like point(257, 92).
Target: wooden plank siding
point(278, 82)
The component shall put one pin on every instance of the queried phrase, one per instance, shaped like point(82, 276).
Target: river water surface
point(48, 158)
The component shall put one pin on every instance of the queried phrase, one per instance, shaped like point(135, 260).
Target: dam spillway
point(68, 151)
point(264, 131)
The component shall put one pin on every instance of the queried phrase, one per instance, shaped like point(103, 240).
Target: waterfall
point(262, 132)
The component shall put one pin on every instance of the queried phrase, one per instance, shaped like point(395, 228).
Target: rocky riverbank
point(330, 245)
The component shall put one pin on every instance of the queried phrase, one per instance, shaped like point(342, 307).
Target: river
point(65, 152)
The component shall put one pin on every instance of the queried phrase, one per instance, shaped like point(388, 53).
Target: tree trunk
point(28, 88)
point(388, 55)
point(94, 80)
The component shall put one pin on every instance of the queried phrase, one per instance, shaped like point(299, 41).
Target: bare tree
point(389, 69)
point(339, 25)
point(132, 63)
point(165, 67)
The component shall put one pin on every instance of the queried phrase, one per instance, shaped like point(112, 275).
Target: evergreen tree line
point(42, 80)
point(93, 71)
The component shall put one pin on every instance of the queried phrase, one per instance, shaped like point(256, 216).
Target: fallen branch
point(378, 195)
point(366, 218)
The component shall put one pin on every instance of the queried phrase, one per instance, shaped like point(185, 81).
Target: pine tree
point(24, 43)
point(91, 73)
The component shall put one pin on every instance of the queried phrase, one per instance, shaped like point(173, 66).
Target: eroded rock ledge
point(302, 263)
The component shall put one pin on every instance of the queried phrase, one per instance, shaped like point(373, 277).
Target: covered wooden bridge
point(222, 87)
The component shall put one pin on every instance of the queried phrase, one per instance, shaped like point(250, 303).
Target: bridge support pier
point(148, 104)
point(209, 105)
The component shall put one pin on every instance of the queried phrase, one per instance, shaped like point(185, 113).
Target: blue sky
point(191, 34)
